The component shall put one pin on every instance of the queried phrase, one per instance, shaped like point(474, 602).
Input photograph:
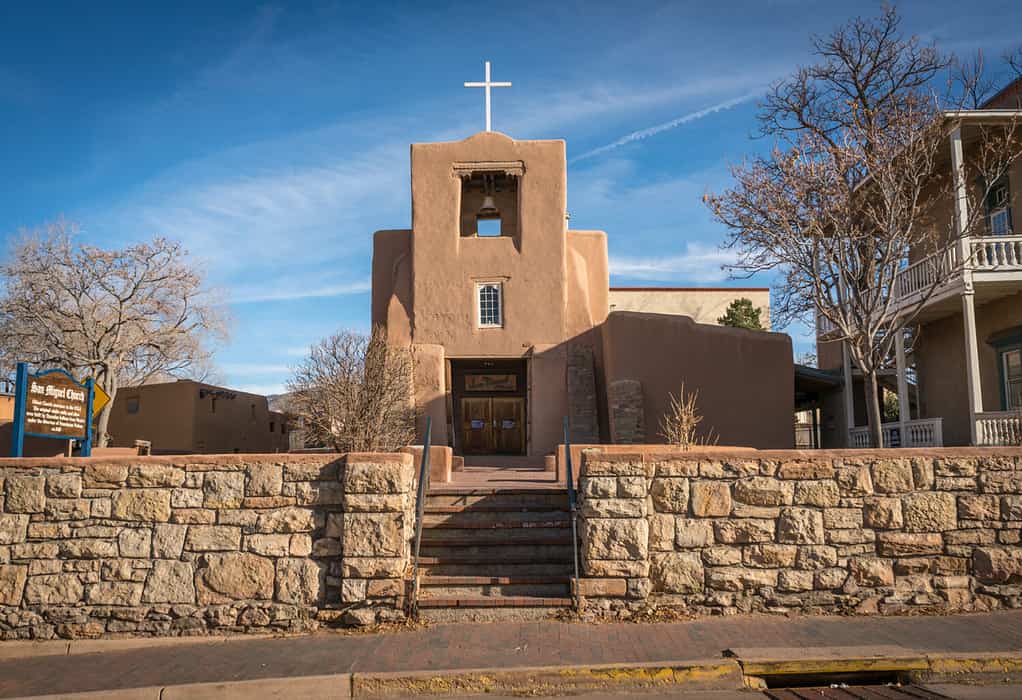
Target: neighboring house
point(961, 383)
point(701, 304)
point(185, 417)
point(508, 315)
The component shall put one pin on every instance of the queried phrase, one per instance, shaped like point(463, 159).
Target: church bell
point(489, 209)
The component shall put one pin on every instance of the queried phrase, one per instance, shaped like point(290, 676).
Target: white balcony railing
point(922, 432)
point(923, 275)
point(996, 253)
point(999, 428)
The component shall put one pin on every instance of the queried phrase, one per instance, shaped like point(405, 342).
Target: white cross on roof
point(487, 85)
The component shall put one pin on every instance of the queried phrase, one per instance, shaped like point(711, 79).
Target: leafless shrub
point(124, 317)
point(680, 426)
point(354, 392)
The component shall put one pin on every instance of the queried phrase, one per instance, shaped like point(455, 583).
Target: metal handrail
point(574, 509)
point(420, 504)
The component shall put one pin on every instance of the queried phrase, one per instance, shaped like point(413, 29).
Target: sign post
point(53, 405)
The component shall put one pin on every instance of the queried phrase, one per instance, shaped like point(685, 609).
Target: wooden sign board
point(56, 405)
point(491, 382)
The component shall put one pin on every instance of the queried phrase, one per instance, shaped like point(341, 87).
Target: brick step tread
point(433, 580)
point(518, 602)
point(483, 507)
point(501, 525)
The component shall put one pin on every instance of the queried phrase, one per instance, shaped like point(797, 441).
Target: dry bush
point(354, 392)
point(681, 424)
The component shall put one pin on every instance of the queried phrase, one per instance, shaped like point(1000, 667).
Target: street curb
point(23, 650)
point(711, 674)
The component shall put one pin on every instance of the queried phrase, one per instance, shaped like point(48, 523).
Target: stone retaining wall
point(891, 531)
point(187, 545)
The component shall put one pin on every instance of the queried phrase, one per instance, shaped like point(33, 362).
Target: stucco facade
point(506, 309)
point(701, 304)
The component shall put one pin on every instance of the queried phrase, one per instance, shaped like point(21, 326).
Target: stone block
point(213, 538)
point(104, 476)
point(710, 499)
point(661, 532)
point(613, 508)
point(263, 480)
point(631, 487)
point(373, 567)
point(954, 467)
point(223, 489)
point(617, 538)
point(670, 495)
point(67, 509)
point(829, 579)
point(230, 576)
point(1000, 482)
point(691, 533)
point(854, 480)
point(1011, 507)
point(148, 505)
point(997, 564)
point(598, 486)
point(155, 475)
point(53, 589)
point(748, 531)
point(378, 477)
point(823, 493)
point(908, 544)
point(721, 556)
point(64, 486)
point(327, 547)
point(354, 590)
point(675, 467)
point(882, 513)
point(301, 545)
point(857, 535)
point(815, 557)
point(289, 520)
point(12, 584)
point(35, 550)
point(764, 491)
point(88, 548)
point(740, 579)
point(769, 556)
point(842, 518)
point(676, 572)
point(186, 498)
point(790, 581)
point(320, 493)
point(169, 582)
point(801, 469)
point(602, 587)
point(134, 542)
point(922, 473)
point(929, 512)
point(268, 545)
point(384, 588)
point(114, 593)
point(13, 528)
point(168, 541)
point(25, 494)
point(800, 526)
point(299, 581)
point(871, 572)
point(893, 476)
point(374, 535)
point(374, 502)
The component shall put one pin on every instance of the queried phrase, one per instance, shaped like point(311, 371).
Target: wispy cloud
point(292, 293)
point(668, 125)
point(699, 263)
point(254, 368)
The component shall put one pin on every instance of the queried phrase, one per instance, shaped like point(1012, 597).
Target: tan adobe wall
point(892, 531)
point(745, 378)
point(704, 305)
point(168, 546)
point(940, 359)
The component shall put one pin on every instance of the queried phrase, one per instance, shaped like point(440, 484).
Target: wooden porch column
point(968, 293)
point(848, 393)
point(904, 412)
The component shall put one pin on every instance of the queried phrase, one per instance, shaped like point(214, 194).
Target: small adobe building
point(507, 314)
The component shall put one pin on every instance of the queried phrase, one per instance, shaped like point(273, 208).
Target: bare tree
point(354, 392)
point(850, 190)
point(680, 426)
point(121, 316)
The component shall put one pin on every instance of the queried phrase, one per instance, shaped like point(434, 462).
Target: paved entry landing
point(500, 472)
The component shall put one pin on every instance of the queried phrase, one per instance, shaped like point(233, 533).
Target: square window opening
point(488, 226)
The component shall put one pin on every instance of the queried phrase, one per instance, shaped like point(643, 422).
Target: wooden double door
point(493, 425)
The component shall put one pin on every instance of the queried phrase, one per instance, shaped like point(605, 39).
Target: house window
point(490, 304)
point(1012, 368)
point(132, 405)
point(998, 206)
point(272, 426)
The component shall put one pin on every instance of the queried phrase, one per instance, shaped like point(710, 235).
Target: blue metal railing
point(420, 504)
point(572, 505)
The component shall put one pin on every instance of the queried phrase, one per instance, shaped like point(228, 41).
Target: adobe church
point(507, 314)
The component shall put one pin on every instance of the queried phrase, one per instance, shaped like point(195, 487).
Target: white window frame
point(480, 286)
point(1001, 213)
point(1007, 378)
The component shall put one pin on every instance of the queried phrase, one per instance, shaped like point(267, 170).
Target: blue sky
point(273, 139)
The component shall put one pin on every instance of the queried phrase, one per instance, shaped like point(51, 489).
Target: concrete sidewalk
point(47, 668)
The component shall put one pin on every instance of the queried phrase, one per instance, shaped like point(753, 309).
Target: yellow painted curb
point(714, 674)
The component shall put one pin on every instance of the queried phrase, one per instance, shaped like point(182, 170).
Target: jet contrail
point(674, 123)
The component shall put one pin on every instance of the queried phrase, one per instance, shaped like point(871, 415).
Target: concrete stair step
point(500, 537)
point(496, 569)
point(495, 499)
point(483, 507)
point(492, 590)
point(497, 602)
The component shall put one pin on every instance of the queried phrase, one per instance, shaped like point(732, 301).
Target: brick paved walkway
point(503, 645)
